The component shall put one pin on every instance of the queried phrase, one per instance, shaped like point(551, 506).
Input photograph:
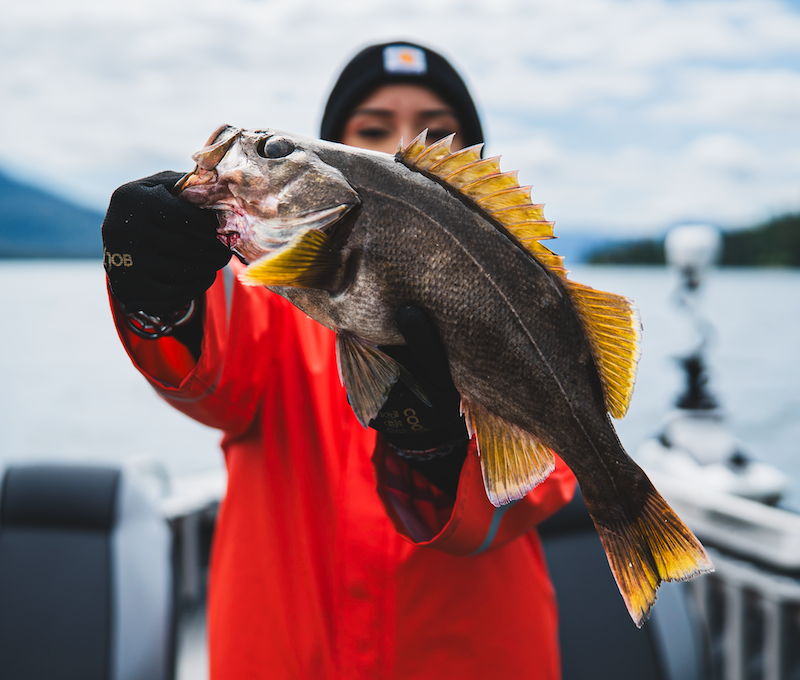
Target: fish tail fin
point(649, 547)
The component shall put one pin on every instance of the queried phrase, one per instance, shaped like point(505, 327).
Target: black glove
point(409, 424)
point(159, 251)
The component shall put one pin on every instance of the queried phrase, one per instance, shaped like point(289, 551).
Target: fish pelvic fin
point(307, 261)
point(368, 376)
point(646, 550)
point(513, 461)
point(613, 328)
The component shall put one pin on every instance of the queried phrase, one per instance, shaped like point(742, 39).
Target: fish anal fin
point(613, 328)
point(644, 551)
point(513, 461)
point(307, 261)
point(367, 374)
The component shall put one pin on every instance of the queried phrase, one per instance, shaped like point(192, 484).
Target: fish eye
point(274, 147)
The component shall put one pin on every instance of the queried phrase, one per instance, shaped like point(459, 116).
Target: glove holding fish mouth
point(431, 437)
point(160, 252)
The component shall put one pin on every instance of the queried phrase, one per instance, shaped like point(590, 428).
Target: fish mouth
point(243, 226)
point(260, 209)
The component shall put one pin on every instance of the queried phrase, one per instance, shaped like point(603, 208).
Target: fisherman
point(339, 551)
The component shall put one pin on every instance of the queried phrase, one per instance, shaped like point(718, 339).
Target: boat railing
point(750, 605)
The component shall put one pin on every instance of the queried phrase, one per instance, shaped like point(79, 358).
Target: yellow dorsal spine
point(611, 322)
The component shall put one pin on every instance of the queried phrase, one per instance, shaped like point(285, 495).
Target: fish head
point(267, 187)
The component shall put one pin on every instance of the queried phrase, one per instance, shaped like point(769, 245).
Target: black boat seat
point(86, 577)
point(598, 639)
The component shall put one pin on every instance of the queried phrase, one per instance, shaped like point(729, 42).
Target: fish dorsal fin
point(613, 327)
point(513, 461)
point(610, 321)
point(496, 193)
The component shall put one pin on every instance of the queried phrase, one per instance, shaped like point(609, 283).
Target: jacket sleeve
point(470, 524)
point(220, 389)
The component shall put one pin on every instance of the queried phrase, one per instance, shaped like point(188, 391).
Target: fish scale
point(538, 360)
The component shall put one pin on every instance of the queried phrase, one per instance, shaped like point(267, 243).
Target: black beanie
point(398, 62)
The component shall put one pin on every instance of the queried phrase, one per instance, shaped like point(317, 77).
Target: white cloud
point(626, 115)
point(747, 98)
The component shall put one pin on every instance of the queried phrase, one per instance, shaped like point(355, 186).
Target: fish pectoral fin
point(367, 374)
point(513, 461)
point(613, 328)
point(645, 550)
point(307, 261)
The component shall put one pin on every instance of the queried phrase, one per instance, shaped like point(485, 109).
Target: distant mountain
point(34, 223)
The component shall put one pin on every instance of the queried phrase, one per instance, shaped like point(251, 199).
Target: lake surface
point(70, 393)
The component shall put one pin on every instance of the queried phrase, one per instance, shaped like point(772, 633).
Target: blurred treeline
point(775, 243)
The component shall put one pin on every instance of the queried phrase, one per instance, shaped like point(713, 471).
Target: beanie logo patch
point(404, 59)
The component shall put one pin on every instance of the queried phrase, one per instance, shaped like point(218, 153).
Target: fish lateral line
point(562, 285)
point(487, 276)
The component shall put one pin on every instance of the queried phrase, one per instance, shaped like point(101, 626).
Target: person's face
point(400, 111)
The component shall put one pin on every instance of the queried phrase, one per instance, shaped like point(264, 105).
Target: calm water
point(70, 393)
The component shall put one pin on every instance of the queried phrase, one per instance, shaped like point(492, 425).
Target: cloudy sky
point(627, 116)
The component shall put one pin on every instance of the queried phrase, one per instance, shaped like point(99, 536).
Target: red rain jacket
point(332, 558)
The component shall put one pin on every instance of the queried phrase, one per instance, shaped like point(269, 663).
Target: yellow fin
point(456, 161)
point(434, 153)
point(506, 198)
point(519, 213)
point(495, 192)
point(414, 149)
point(532, 231)
point(474, 171)
point(613, 327)
point(513, 461)
point(307, 261)
point(655, 546)
point(486, 186)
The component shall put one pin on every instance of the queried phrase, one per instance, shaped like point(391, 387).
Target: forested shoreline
point(775, 243)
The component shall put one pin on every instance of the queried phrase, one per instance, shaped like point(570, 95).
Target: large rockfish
point(350, 236)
